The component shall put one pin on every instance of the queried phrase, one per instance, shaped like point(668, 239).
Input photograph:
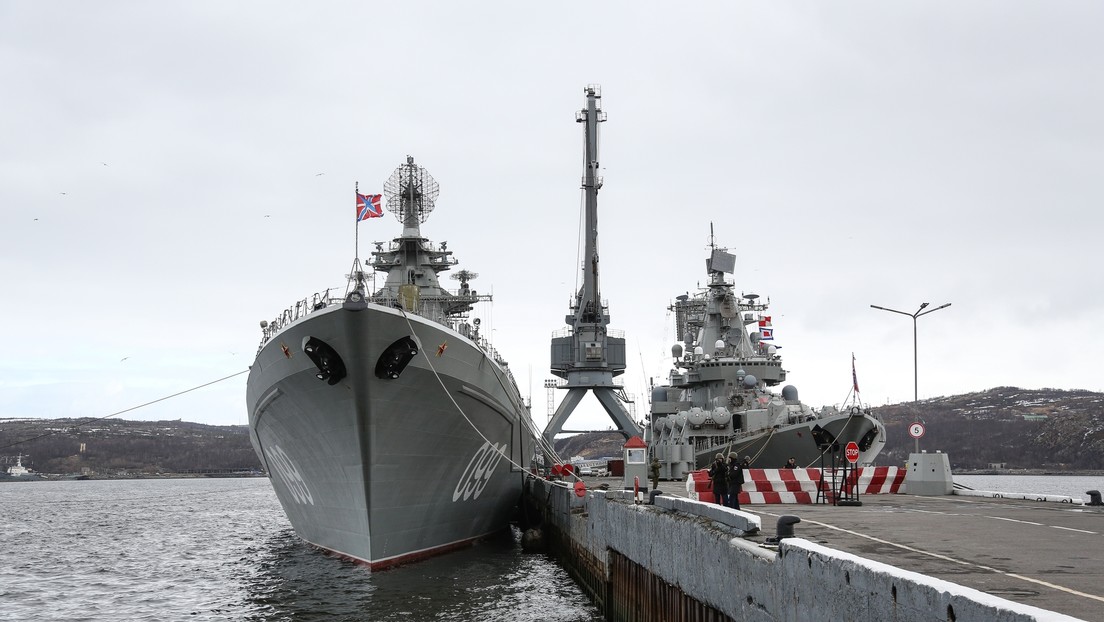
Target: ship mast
point(589, 357)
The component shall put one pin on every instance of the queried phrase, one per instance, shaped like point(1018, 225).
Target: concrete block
point(744, 522)
point(928, 475)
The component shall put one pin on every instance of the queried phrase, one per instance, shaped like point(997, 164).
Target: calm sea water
point(1067, 485)
point(222, 549)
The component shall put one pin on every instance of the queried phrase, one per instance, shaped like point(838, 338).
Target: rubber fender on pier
point(395, 358)
point(330, 366)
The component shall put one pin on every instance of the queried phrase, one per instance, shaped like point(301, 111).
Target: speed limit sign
point(916, 430)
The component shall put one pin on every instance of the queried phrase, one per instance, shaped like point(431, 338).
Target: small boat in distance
point(17, 469)
point(18, 472)
point(718, 397)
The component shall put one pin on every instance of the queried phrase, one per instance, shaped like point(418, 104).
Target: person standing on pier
point(655, 473)
point(718, 475)
point(735, 480)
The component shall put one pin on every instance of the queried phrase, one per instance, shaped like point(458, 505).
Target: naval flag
point(368, 206)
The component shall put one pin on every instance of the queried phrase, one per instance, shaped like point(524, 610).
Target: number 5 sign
point(916, 430)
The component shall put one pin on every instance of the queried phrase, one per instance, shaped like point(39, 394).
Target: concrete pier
point(898, 557)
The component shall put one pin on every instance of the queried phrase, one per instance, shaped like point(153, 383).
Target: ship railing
point(301, 309)
point(711, 442)
point(560, 383)
point(875, 415)
point(568, 332)
point(435, 310)
point(425, 245)
point(498, 358)
point(702, 443)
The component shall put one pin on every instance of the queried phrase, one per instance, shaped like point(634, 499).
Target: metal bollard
point(1094, 498)
point(785, 528)
point(652, 495)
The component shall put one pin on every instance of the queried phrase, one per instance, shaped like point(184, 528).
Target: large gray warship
point(718, 398)
point(391, 428)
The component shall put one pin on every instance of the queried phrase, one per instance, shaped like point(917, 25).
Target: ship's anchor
point(395, 358)
point(330, 366)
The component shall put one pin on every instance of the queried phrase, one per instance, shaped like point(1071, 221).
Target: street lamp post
point(919, 312)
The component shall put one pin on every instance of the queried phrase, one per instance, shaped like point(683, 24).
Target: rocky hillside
point(116, 447)
point(1048, 429)
point(591, 445)
point(1024, 429)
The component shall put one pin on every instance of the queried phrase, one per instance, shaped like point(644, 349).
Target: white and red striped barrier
point(800, 485)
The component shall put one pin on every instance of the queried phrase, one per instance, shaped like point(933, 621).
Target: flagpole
point(356, 235)
point(855, 381)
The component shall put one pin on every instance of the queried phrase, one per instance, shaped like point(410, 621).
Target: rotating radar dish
point(464, 276)
point(411, 192)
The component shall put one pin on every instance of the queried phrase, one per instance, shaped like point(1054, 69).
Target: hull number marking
point(289, 473)
point(478, 472)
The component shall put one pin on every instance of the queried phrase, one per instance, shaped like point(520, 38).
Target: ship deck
point(1043, 554)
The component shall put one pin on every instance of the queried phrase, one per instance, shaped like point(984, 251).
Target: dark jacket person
point(718, 475)
point(735, 472)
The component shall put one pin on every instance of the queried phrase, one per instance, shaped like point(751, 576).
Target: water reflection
point(290, 580)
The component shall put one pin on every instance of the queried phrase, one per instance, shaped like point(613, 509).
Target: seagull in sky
point(123, 359)
point(317, 174)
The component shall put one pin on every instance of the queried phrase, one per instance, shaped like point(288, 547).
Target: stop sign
point(852, 452)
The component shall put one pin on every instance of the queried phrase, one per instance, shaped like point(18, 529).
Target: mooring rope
point(126, 410)
point(494, 365)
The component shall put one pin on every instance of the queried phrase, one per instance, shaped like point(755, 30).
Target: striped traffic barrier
point(799, 485)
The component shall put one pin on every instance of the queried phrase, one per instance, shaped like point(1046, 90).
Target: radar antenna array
point(464, 276)
point(411, 192)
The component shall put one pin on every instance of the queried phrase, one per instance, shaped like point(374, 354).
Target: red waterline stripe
point(406, 558)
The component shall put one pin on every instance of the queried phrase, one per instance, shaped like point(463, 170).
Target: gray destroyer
point(719, 398)
point(391, 428)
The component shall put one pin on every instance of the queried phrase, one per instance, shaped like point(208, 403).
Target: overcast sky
point(172, 173)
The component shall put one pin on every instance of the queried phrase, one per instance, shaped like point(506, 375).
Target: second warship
point(719, 397)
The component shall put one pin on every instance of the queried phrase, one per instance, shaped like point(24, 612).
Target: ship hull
point(771, 448)
point(387, 470)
